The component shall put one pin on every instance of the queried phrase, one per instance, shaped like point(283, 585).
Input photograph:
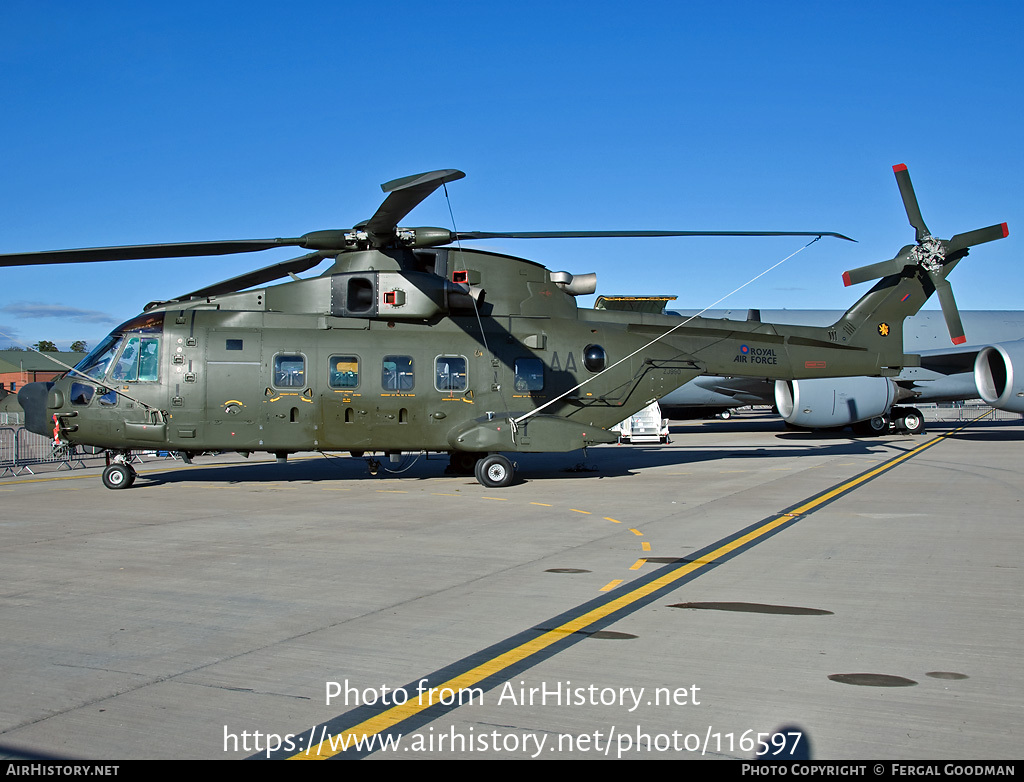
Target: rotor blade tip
point(959, 340)
point(899, 167)
point(846, 279)
point(1006, 230)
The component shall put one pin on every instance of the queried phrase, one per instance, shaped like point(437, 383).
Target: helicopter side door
point(234, 389)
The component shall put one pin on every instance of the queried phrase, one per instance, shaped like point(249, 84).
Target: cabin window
point(529, 374)
point(233, 344)
point(594, 358)
point(397, 373)
point(289, 371)
point(343, 372)
point(450, 373)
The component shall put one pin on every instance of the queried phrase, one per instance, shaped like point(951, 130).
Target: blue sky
point(129, 123)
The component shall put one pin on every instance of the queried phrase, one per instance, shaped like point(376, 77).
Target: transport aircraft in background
point(988, 366)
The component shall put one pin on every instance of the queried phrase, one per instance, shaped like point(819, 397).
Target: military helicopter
point(410, 343)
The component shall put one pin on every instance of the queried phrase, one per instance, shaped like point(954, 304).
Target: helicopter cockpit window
point(96, 363)
point(99, 360)
point(450, 373)
point(81, 393)
point(529, 374)
point(289, 371)
point(344, 372)
point(397, 373)
point(139, 360)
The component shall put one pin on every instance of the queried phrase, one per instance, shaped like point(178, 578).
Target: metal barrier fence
point(20, 450)
point(959, 413)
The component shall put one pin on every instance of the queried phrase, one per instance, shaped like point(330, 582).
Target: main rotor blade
point(142, 251)
point(910, 201)
point(406, 194)
point(468, 235)
point(258, 277)
point(949, 310)
point(979, 236)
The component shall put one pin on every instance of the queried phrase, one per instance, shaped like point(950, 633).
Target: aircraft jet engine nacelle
point(999, 375)
point(825, 403)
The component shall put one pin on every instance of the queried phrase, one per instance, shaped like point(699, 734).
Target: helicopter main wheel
point(494, 471)
point(910, 420)
point(118, 476)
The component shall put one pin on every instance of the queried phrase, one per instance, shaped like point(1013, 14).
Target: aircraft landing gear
point(872, 427)
point(119, 476)
point(463, 462)
point(495, 471)
point(909, 420)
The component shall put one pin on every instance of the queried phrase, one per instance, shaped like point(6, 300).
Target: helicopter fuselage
point(442, 350)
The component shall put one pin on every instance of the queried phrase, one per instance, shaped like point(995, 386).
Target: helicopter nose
point(32, 399)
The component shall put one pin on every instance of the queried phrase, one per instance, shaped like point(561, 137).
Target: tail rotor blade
point(980, 236)
point(873, 271)
point(910, 201)
point(949, 310)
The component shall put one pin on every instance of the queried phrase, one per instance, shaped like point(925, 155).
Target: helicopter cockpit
point(129, 354)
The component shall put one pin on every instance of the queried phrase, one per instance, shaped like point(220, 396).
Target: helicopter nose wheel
point(119, 476)
point(494, 471)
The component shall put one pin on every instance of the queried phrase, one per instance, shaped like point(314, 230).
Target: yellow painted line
point(497, 499)
point(636, 532)
point(396, 714)
point(609, 518)
point(645, 546)
point(543, 504)
point(390, 491)
point(638, 564)
point(443, 494)
point(54, 478)
point(574, 510)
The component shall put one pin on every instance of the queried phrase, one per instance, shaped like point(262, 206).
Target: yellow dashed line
point(574, 510)
point(543, 504)
point(645, 546)
point(636, 532)
point(391, 491)
point(611, 585)
point(638, 564)
point(498, 499)
point(609, 518)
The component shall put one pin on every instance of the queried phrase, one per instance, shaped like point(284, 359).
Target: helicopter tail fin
point(875, 321)
point(907, 281)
